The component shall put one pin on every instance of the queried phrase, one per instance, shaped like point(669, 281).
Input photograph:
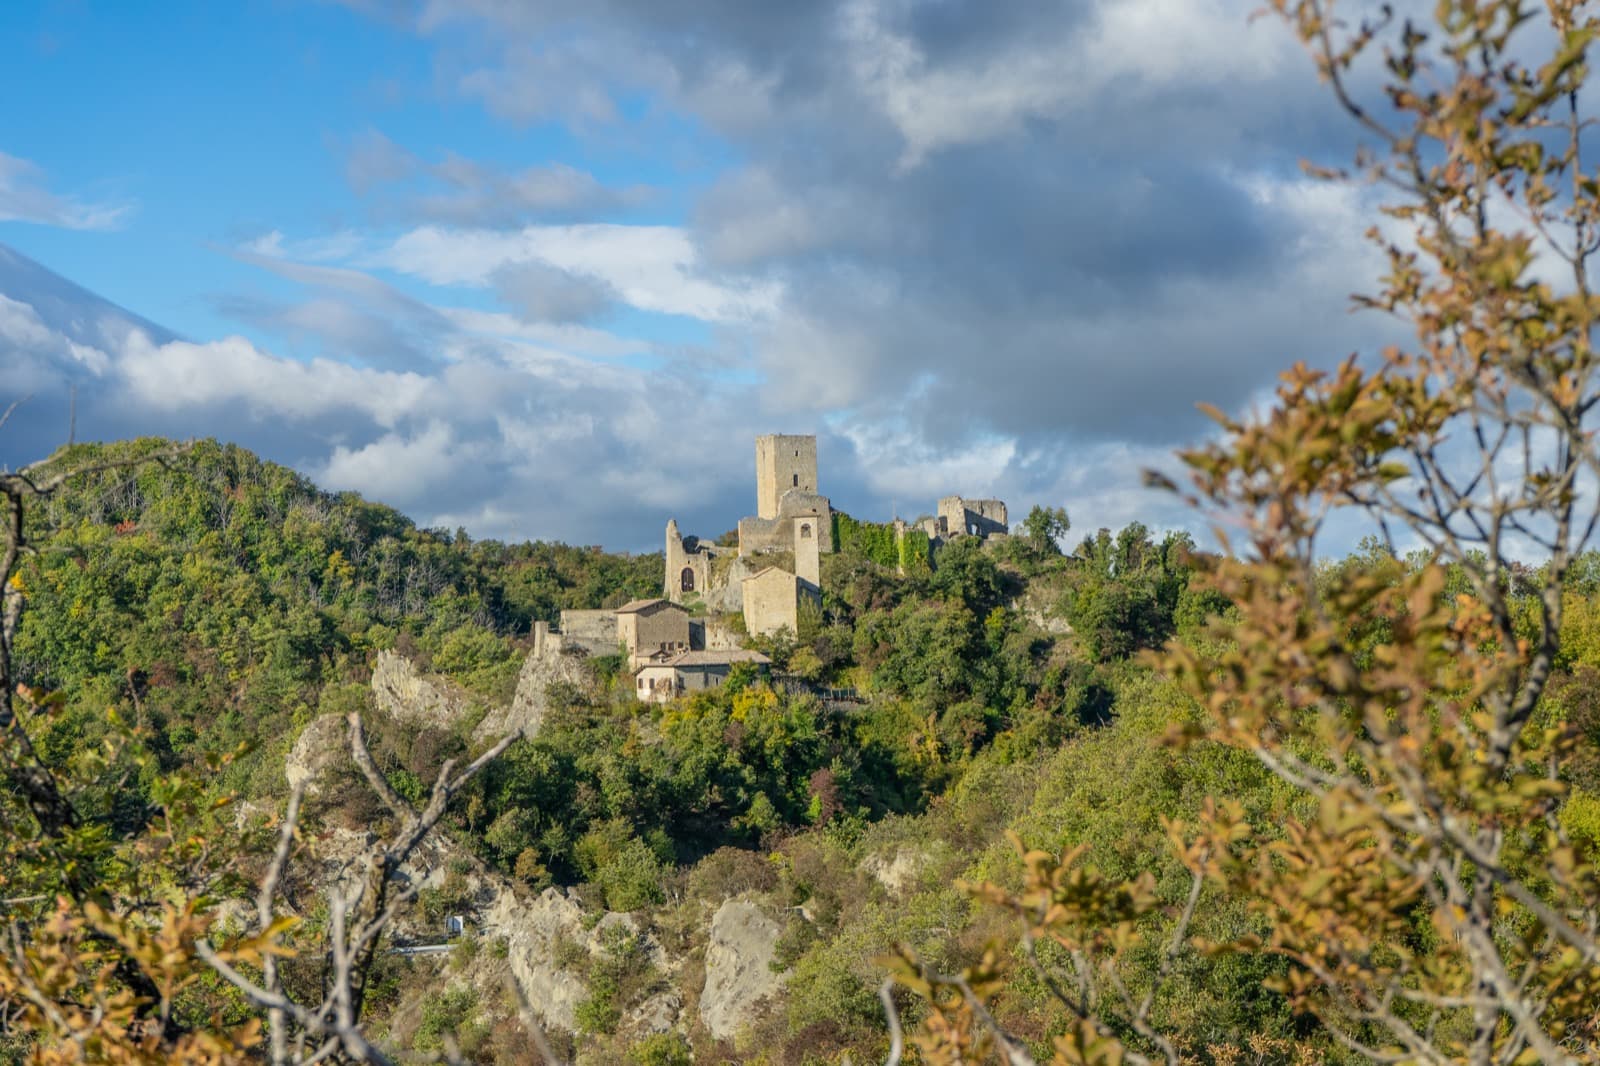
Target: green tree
point(1044, 527)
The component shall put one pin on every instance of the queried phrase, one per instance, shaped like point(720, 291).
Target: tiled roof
point(764, 569)
point(634, 606)
point(712, 658)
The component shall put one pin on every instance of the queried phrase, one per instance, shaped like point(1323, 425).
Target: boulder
point(739, 974)
point(532, 932)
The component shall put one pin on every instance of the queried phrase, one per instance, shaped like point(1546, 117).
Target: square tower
point(783, 463)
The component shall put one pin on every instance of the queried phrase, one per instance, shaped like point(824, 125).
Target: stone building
point(787, 500)
point(791, 517)
point(648, 627)
point(807, 555)
point(663, 678)
point(772, 601)
point(799, 514)
point(689, 569)
point(958, 516)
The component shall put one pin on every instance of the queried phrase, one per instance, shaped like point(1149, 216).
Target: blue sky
point(544, 269)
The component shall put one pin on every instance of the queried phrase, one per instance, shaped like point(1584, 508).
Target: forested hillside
point(222, 600)
point(218, 606)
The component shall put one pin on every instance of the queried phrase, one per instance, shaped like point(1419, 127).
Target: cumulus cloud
point(24, 197)
point(543, 292)
point(514, 430)
point(1035, 223)
point(652, 268)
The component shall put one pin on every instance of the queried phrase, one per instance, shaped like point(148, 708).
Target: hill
point(227, 597)
point(233, 611)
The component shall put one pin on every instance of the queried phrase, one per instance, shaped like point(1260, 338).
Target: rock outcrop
point(739, 974)
point(551, 661)
point(407, 696)
point(320, 746)
point(897, 873)
point(534, 933)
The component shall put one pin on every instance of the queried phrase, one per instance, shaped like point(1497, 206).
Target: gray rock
point(550, 661)
point(738, 967)
point(407, 696)
point(320, 746)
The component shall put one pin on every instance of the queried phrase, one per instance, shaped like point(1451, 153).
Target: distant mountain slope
point(69, 309)
point(56, 335)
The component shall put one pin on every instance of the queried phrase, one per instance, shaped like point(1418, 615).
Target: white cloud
point(652, 268)
point(399, 468)
point(901, 465)
point(274, 245)
point(565, 336)
point(21, 326)
point(24, 197)
point(181, 375)
point(1133, 46)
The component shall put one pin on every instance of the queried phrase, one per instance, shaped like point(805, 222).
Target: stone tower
point(783, 463)
point(808, 553)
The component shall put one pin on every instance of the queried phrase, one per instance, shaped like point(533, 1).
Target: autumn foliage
point(1417, 882)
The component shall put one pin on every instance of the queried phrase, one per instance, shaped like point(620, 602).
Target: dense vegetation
point(1263, 806)
point(223, 600)
point(220, 603)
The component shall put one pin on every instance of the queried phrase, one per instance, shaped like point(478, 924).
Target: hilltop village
point(716, 595)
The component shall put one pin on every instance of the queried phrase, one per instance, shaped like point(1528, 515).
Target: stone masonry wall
point(593, 631)
point(783, 463)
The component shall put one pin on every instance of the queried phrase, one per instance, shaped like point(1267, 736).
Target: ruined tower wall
point(958, 515)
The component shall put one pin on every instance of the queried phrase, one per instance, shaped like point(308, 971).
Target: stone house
point(664, 677)
point(646, 627)
point(772, 600)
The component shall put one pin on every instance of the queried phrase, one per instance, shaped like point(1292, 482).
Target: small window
point(796, 480)
point(805, 530)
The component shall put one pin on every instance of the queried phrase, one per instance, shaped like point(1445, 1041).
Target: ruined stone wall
point(982, 518)
point(797, 509)
point(709, 634)
point(688, 554)
point(783, 463)
point(593, 631)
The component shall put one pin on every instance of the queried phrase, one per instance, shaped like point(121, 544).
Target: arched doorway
point(686, 579)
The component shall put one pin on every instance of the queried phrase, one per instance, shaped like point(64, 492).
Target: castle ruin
point(792, 518)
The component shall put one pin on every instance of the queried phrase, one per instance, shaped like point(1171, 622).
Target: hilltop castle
point(777, 565)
